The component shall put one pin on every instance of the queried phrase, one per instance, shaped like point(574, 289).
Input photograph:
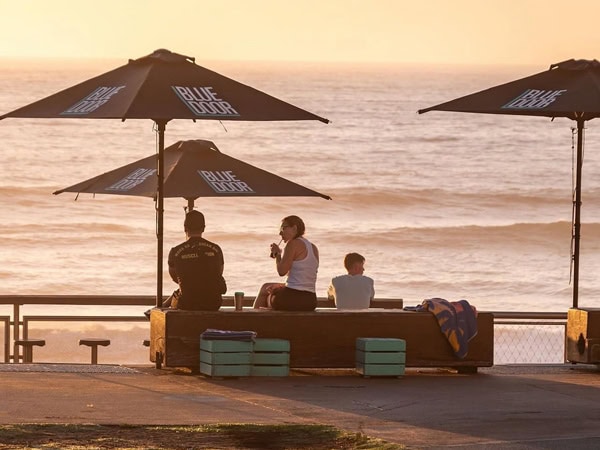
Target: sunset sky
point(426, 31)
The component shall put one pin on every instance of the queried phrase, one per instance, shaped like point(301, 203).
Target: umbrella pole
point(577, 221)
point(161, 124)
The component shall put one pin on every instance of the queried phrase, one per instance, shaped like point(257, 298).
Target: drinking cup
point(239, 301)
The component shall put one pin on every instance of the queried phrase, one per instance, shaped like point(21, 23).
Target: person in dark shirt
point(196, 265)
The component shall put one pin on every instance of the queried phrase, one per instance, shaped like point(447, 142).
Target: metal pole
point(577, 221)
point(161, 124)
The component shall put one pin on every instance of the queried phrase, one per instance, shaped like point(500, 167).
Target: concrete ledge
point(324, 338)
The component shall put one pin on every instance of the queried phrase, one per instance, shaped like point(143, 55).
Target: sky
point(390, 31)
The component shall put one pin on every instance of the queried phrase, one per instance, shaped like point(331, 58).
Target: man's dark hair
point(194, 221)
point(351, 259)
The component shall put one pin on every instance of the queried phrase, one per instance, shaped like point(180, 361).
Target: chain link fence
point(529, 338)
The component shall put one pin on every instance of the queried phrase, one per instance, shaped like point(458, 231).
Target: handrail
point(148, 300)
point(17, 301)
point(133, 300)
point(53, 318)
point(82, 300)
point(6, 320)
point(529, 315)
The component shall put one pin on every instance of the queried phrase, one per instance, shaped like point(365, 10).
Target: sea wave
point(404, 234)
point(395, 195)
point(515, 234)
point(22, 191)
point(55, 231)
point(384, 193)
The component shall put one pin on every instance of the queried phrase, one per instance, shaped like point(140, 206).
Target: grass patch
point(222, 436)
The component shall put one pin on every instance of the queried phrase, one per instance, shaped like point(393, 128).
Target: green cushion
point(270, 371)
point(272, 359)
point(225, 357)
point(271, 345)
point(380, 369)
point(225, 345)
point(380, 357)
point(381, 344)
point(219, 370)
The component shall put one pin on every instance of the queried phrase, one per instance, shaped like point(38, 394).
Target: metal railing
point(516, 333)
point(20, 324)
point(19, 301)
point(28, 319)
point(529, 337)
point(7, 322)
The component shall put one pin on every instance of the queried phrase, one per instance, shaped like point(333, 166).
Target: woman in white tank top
point(300, 262)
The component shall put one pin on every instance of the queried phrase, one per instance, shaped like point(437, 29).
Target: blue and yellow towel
point(457, 320)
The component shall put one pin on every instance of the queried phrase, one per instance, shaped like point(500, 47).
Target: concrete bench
point(324, 338)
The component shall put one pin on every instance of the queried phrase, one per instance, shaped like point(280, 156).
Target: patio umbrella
point(193, 169)
point(162, 86)
point(568, 89)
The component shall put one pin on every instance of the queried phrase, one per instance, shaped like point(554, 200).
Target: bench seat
point(325, 338)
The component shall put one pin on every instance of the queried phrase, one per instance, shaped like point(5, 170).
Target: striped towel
point(457, 320)
point(228, 335)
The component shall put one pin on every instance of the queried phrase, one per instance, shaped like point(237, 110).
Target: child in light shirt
point(353, 290)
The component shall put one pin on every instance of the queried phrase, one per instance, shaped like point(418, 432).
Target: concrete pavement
point(513, 407)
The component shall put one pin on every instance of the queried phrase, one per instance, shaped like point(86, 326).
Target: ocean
point(450, 205)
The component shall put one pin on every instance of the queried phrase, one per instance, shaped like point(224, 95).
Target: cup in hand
point(238, 298)
point(274, 250)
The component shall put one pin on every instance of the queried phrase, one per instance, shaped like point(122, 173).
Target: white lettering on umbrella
point(93, 101)
point(534, 99)
point(136, 177)
point(203, 101)
point(225, 182)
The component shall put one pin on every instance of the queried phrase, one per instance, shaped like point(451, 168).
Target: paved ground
point(504, 407)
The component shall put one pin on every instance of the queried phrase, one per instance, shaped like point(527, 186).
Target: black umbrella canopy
point(568, 89)
point(162, 86)
point(193, 169)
